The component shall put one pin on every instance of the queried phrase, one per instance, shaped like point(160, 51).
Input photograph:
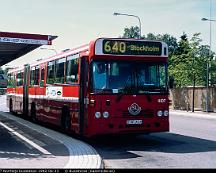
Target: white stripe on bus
point(44, 97)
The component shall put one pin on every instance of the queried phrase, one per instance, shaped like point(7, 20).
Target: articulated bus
point(109, 86)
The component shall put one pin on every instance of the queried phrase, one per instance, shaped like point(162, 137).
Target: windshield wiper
point(129, 89)
point(125, 90)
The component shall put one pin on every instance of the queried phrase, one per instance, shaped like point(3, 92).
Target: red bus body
point(73, 102)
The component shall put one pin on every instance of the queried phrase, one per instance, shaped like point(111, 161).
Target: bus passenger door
point(82, 94)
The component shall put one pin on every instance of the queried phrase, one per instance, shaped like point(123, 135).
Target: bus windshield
point(128, 77)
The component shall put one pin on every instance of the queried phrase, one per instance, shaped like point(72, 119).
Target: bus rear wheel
point(11, 106)
point(66, 120)
point(33, 113)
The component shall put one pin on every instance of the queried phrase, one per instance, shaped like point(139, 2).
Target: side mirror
point(171, 82)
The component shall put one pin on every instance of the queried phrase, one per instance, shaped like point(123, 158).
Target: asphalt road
point(191, 143)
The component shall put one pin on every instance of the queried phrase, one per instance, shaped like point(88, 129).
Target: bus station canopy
point(14, 45)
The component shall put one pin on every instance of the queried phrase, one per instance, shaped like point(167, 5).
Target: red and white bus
point(109, 86)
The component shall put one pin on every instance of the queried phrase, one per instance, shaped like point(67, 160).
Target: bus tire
point(66, 120)
point(33, 113)
point(11, 106)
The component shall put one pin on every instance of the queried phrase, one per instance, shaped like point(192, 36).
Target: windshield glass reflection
point(128, 77)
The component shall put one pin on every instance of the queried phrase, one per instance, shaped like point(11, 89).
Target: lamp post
point(208, 64)
point(130, 15)
point(44, 48)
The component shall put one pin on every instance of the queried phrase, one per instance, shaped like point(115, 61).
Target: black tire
point(11, 106)
point(66, 120)
point(33, 113)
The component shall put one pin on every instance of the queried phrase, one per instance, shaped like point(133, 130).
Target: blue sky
point(76, 22)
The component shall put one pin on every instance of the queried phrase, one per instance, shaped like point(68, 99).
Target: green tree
point(178, 62)
point(150, 36)
point(212, 71)
point(195, 62)
point(188, 65)
point(170, 40)
point(209, 55)
point(132, 32)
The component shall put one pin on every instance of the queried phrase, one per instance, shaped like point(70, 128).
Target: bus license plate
point(134, 121)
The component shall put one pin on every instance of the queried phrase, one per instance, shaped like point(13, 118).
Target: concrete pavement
point(199, 114)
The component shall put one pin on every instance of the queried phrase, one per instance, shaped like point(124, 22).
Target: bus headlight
point(159, 113)
point(97, 114)
point(166, 113)
point(106, 114)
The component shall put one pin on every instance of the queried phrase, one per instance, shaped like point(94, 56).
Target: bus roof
point(69, 52)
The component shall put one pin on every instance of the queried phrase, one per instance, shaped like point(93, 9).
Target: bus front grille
point(145, 113)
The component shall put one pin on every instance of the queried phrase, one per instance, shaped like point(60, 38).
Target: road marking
point(42, 150)
point(16, 153)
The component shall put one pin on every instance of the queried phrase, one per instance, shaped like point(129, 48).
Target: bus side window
point(19, 78)
point(72, 69)
point(50, 72)
point(11, 80)
point(60, 70)
point(37, 70)
point(42, 77)
point(32, 76)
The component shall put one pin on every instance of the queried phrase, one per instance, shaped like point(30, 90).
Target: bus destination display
point(126, 47)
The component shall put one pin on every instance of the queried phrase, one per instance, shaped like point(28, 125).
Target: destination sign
point(131, 47)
